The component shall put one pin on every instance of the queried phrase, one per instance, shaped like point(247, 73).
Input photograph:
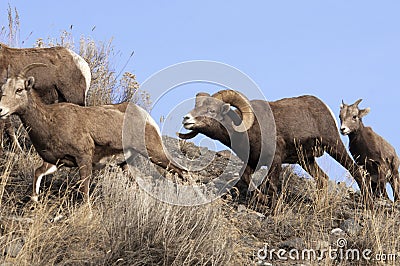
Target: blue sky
point(331, 49)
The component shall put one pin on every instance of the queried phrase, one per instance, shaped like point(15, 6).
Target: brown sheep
point(305, 128)
point(66, 134)
point(370, 150)
point(66, 79)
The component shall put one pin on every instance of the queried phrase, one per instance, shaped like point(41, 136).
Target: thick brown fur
point(66, 134)
point(305, 128)
point(370, 150)
point(61, 81)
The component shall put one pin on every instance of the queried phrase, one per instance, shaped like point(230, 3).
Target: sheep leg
point(85, 172)
point(394, 182)
point(380, 189)
point(155, 151)
point(339, 153)
point(44, 169)
point(375, 187)
point(2, 124)
point(268, 192)
point(315, 171)
point(124, 166)
point(273, 179)
point(270, 184)
point(6, 127)
point(11, 133)
point(129, 157)
point(243, 183)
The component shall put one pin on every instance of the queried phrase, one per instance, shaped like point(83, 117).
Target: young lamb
point(66, 134)
point(370, 150)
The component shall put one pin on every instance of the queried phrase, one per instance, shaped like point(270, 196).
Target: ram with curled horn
point(66, 79)
point(300, 129)
point(70, 135)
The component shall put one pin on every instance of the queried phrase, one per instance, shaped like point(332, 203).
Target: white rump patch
point(333, 115)
point(149, 119)
point(85, 69)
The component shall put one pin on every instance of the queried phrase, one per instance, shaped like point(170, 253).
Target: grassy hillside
point(129, 227)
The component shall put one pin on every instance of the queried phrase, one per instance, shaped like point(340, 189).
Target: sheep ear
point(225, 108)
point(364, 112)
point(29, 82)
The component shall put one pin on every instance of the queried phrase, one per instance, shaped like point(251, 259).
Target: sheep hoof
point(35, 198)
point(57, 218)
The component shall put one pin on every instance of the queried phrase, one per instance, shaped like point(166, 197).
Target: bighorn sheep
point(370, 150)
point(305, 128)
point(66, 79)
point(66, 134)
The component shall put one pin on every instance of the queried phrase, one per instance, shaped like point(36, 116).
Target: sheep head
point(14, 93)
point(211, 112)
point(351, 117)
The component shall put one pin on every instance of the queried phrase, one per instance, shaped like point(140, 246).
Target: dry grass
point(106, 85)
point(127, 226)
point(305, 219)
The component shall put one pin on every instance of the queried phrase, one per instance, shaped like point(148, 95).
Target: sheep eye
point(212, 111)
point(354, 117)
point(19, 91)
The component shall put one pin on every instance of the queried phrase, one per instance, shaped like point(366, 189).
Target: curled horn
point(29, 67)
point(357, 102)
point(342, 105)
point(239, 101)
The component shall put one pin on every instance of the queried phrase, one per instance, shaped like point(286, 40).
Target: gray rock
point(296, 243)
point(351, 227)
point(321, 244)
point(7, 264)
point(259, 215)
point(263, 263)
point(337, 231)
point(241, 208)
point(13, 248)
point(225, 154)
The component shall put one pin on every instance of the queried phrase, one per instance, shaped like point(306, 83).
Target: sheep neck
point(356, 136)
point(35, 115)
point(356, 139)
point(237, 141)
point(221, 134)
